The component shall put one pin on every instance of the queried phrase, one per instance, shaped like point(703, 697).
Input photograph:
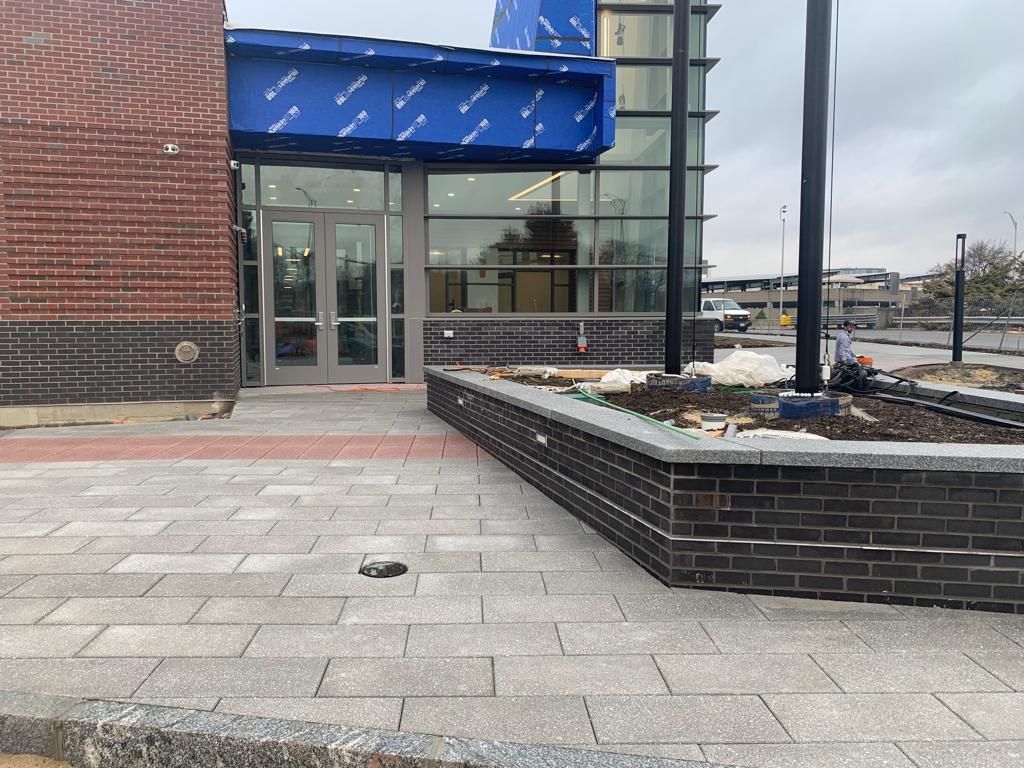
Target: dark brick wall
point(67, 362)
point(612, 342)
point(954, 539)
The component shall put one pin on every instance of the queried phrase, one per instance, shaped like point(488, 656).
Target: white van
point(727, 314)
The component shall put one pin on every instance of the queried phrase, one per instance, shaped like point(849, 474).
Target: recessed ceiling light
point(437, 205)
point(451, 194)
point(273, 198)
point(271, 186)
point(471, 178)
point(518, 208)
point(356, 189)
point(350, 202)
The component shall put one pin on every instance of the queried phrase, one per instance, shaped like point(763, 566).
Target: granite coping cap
point(621, 428)
point(994, 398)
point(665, 445)
point(126, 735)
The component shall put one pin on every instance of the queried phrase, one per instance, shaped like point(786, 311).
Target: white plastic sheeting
point(743, 369)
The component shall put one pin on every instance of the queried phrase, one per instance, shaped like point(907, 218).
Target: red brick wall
point(96, 223)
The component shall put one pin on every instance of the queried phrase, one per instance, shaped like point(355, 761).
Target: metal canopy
point(299, 92)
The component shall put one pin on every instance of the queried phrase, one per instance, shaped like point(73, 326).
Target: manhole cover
point(384, 569)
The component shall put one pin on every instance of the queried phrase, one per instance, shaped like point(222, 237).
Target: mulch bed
point(896, 422)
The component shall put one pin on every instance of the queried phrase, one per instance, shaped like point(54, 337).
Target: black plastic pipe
point(676, 268)
point(959, 288)
point(817, 65)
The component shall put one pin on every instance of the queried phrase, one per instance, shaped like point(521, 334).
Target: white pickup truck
point(727, 314)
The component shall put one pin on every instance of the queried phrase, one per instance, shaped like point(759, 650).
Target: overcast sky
point(930, 117)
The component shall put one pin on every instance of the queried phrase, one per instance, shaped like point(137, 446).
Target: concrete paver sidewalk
point(214, 565)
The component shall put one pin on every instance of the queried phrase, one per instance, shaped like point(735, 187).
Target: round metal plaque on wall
point(186, 352)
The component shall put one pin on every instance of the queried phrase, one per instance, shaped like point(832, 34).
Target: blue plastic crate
point(679, 383)
point(808, 407)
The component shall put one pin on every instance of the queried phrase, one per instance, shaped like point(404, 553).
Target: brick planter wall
point(613, 342)
point(111, 248)
point(749, 519)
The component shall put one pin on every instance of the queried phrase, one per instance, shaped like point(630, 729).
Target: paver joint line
point(174, 578)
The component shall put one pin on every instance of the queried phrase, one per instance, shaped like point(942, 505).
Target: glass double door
point(325, 319)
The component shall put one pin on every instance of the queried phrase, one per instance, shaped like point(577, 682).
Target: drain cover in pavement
point(384, 569)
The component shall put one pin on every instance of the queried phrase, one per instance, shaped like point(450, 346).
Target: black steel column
point(959, 285)
point(817, 64)
point(676, 272)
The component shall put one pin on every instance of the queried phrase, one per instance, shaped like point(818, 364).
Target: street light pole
point(814, 160)
point(676, 273)
point(959, 288)
point(782, 265)
point(1014, 232)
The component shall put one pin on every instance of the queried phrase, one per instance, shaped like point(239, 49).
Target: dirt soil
point(896, 422)
point(29, 761)
point(967, 375)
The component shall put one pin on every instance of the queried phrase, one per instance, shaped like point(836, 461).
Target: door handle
point(319, 320)
point(334, 319)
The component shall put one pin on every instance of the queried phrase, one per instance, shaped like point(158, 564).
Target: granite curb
point(91, 734)
point(665, 445)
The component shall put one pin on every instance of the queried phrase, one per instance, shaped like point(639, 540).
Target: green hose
point(606, 404)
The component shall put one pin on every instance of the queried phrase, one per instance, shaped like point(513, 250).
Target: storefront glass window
point(396, 242)
point(397, 291)
point(643, 242)
point(640, 141)
point(635, 35)
point(633, 193)
point(643, 88)
point(493, 242)
point(398, 349)
point(305, 187)
point(247, 178)
point(395, 189)
point(518, 193)
point(509, 291)
point(631, 290)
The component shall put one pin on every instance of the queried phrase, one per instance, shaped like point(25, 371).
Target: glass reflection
point(631, 290)
point(540, 242)
point(643, 87)
point(396, 243)
point(643, 242)
point(248, 181)
point(356, 284)
point(538, 193)
point(251, 247)
point(640, 141)
point(398, 349)
point(509, 291)
point(395, 189)
point(253, 373)
point(295, 307)
point(634, 193)
point(635, 35)
point(306, 187)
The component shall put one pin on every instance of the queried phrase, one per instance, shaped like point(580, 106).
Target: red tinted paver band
point(214, 447)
